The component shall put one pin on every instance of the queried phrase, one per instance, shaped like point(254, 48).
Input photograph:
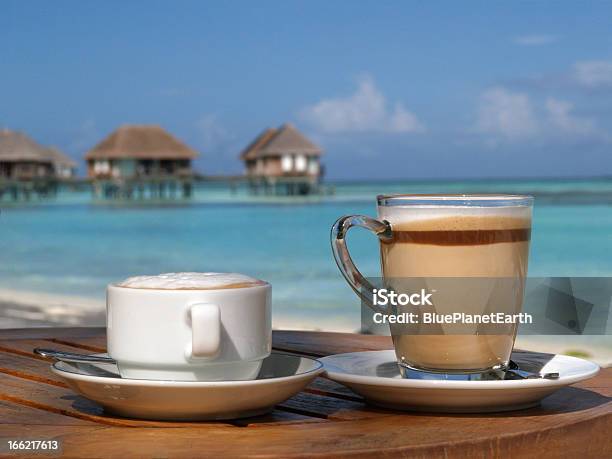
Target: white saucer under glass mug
point(189, 334)
point(454, 242)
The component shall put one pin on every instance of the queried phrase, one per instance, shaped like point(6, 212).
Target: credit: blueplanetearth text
point(452, 318)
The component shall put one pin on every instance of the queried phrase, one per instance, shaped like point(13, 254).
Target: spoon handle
point(72, 357)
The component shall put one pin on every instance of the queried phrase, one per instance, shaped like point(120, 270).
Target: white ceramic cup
point(189, 335)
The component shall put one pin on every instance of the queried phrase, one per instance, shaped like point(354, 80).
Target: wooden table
point(326, 419)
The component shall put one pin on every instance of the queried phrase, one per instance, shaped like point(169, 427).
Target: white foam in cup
point(191, 281)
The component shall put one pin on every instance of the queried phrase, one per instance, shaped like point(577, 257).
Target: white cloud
point(364, 111)
point(560, 116)
point(535, 40)
point(593, 74)
point(506, 114)
point(514, 116)
point(211, 133)
point(586, 75)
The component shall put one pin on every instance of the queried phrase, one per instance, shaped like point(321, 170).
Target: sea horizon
point(597, 190)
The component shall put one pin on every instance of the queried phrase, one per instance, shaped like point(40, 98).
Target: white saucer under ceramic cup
point(376, 376)
point(281, 376)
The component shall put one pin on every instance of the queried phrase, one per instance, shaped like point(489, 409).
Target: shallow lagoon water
point(72, 246)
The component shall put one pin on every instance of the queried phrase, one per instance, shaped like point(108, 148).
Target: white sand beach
point(19, 309)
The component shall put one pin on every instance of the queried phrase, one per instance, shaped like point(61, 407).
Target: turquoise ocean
point(72, 246)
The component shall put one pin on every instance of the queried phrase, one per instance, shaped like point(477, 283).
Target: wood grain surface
point(326, 419)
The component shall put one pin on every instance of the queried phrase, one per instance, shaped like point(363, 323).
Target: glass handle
point(355, 279)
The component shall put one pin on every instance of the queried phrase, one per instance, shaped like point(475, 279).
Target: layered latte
point(436, 243)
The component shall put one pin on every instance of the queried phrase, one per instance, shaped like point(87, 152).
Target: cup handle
point(355, 279)
point(205, 330)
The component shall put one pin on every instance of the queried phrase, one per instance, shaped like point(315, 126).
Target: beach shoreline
point(23, 309)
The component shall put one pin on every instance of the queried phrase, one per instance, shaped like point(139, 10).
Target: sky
point(391, 89)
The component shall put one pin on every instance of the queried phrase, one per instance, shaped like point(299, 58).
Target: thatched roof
point(60, 158)
point(250, 152)
point(141, 142)
point(284, 140)
point(18, 147)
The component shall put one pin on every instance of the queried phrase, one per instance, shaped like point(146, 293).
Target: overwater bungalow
point(64, 167)
point(282, 161)
point(140, 162)
point(27, 169)
point(22, 158)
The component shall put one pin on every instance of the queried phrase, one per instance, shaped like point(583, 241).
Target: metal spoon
point(516, 370)
point(72, 357)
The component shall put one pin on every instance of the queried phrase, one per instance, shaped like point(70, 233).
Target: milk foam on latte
point(442, 217)
point(191, 281)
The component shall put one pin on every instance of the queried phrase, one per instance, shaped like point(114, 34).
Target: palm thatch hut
point(22, 158)
point(140, 161)
point(139, 151)
point(27, 169)
point(64, 166)
point(283, 161)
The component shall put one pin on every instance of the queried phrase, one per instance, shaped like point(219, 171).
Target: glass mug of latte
point(469, 251)
point(189, 326)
